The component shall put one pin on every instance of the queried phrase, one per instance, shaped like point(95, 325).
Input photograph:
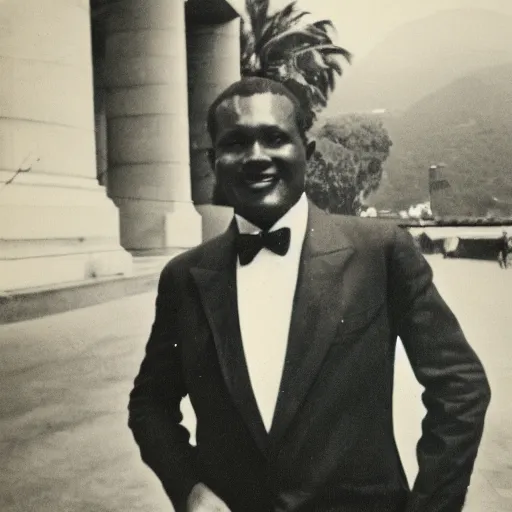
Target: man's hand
point(203, 499)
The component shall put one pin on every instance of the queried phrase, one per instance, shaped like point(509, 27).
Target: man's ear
point(310, 149)
point(210, 152)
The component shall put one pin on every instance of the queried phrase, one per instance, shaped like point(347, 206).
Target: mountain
point(421, 57)
point(467, 125)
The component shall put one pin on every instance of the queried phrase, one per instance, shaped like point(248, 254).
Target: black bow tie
point(248, 246)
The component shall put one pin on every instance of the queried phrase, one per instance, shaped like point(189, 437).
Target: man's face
point(259, 156)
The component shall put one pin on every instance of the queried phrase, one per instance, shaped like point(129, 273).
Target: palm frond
point(289, 40)
point(333, 63)
point(257, 11)
point(295, 19)
point(331, 78)
point(277, 25)
point(324, 25)
point(287, 10)
point(303, 56)
point(328, 49)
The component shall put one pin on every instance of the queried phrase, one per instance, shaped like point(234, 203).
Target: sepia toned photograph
point(255, 256)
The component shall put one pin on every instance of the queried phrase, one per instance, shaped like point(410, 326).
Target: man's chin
point(263, 214)
point(262, 201)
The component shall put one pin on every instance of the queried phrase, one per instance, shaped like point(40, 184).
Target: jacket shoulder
point(364, 231)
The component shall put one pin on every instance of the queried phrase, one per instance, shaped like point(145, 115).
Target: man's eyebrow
point(229, 133)
point(262, 126)
point(232, 129)
point(244, 128)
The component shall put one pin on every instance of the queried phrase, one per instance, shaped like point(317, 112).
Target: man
point(504, 248)
point(285, 339)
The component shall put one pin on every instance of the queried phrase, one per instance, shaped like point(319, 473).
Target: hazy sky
point(363, 23)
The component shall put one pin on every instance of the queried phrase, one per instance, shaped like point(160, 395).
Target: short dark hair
point(249, 86)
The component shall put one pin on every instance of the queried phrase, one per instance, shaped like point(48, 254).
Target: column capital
point(212, 12)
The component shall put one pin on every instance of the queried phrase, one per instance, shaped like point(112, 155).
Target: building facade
point(102, 132)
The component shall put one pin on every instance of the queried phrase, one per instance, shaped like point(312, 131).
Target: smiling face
point(259, 156)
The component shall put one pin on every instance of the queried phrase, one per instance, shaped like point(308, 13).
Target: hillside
point(468, 126)
point(422, 57)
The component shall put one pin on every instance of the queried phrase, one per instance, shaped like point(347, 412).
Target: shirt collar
point(295, 218)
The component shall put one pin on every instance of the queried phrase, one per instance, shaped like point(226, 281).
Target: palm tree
point(282, 47)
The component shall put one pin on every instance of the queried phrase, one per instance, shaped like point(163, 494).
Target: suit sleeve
point(154, 405)
point(457, 392)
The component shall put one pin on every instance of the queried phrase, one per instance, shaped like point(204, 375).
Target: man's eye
point(275, 139)
point(233, 143)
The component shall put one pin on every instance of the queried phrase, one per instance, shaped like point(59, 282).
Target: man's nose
point(256, 157)
point(256, 152)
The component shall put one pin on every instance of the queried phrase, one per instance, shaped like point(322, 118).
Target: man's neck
point(263, 223)
point(266, 223)
point(247, 225)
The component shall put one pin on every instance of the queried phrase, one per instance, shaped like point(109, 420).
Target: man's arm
point(457, 392)
point(154, 406)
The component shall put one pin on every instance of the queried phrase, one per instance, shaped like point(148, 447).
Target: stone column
point(56, 223)
point(213, 56)
point(100, 121)
point(147, 111)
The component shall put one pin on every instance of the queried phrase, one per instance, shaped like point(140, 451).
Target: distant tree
point(347, 165)
point(281, 46)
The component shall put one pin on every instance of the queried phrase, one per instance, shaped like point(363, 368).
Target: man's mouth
point(260, 180)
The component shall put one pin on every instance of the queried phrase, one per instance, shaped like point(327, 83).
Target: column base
point(215, 219)
point(155, 228)
point(57, 269)
point(183, 227)
point(56, 230)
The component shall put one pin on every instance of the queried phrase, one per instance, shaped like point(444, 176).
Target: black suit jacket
point(331, 445)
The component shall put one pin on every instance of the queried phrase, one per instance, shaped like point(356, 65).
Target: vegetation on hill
point(467, 126)
point(441, 86)
point(347, 165)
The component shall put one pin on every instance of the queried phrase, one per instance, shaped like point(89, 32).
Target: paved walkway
point(64, 443)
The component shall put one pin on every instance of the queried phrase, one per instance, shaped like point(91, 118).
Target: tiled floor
point(64, 444)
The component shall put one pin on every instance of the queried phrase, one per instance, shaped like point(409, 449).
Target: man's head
point(260, 150)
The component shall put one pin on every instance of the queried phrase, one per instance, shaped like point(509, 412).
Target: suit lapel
point(215, 277)
point(318, 306)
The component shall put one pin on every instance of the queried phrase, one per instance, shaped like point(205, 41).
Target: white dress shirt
point(265, 289)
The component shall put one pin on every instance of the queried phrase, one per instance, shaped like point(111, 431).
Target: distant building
point(387, 214)
point(420, 211)
point(97, 140)
point(369, 212)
